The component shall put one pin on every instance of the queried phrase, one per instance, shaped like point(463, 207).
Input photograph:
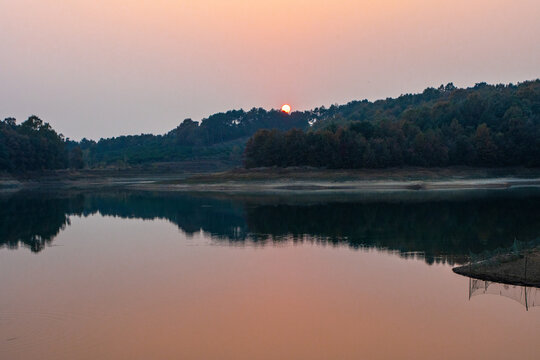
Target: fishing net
point(526, 296)
point(510, 272)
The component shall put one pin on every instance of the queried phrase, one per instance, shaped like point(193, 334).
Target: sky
point(102, 68)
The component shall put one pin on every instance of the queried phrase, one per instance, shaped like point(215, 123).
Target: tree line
point(481, 126)
point(485, 125)
point(220, 137)
point(34, 146)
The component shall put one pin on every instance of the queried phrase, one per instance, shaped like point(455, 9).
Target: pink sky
point(104, 68)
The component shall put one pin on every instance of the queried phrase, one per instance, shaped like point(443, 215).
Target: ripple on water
point(32, 330)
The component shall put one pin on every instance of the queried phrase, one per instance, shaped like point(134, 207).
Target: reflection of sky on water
point(118, 287)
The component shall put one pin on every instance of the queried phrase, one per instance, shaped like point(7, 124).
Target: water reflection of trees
point(441, 230)
point(433, 228)
point(34, 221)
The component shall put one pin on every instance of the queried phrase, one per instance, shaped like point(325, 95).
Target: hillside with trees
point(221, 137)
point(485, 125)
point(33, 146)
point(481, 126)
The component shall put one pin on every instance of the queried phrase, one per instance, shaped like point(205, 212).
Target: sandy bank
point(286, 181)
point(515, 269)
point(284, 186)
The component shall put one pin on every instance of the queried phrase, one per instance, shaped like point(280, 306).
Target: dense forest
point(34, 145)
point(480, 126)
point(486, 125)
point(221, 137)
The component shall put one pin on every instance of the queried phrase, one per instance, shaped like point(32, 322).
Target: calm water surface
point(128, 275)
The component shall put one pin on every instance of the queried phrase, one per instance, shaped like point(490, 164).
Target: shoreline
point(288, 186)
point(285, 181)
point(521, 269)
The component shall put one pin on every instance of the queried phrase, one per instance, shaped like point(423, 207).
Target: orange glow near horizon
point(286, 108)
point(121, 67)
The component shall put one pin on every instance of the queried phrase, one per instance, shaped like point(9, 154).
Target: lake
point(142, 275)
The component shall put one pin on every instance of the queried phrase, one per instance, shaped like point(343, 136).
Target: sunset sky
point(104, 68)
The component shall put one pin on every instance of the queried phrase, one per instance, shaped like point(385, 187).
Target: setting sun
point(398, 207)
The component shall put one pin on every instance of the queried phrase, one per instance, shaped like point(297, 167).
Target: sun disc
point(286, 108)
